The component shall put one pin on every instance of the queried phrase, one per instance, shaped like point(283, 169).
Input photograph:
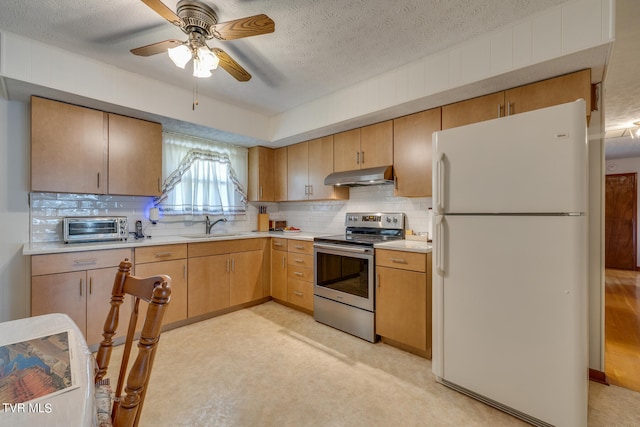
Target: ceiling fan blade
point(162, 10)
point(231, 66)
point(155, 48)
point(244, 27)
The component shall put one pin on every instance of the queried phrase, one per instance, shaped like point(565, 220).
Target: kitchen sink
point(210, 236)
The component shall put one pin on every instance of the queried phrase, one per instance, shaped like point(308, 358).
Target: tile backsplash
point(48, 210)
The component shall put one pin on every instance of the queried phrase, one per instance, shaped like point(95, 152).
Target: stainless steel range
point(344, 295)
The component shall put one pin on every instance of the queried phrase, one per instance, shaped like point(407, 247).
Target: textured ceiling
point(318, 47)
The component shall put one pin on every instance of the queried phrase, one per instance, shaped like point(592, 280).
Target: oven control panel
point(375, 220)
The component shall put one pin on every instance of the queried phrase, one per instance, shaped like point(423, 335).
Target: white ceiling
point(318, 47)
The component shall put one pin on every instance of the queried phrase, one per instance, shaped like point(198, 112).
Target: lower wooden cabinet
point(279, 269)
point(78, 284)
point(403, 300)
point(300, 273)
point(224, 274)
point(172, 261)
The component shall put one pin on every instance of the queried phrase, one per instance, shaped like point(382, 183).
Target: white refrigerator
point(510, 263)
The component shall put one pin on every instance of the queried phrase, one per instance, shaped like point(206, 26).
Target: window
point(202, 177)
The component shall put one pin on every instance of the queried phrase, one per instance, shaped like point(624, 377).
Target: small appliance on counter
point(277, 225)
point(94, 228)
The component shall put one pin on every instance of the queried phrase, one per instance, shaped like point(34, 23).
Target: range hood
point(361, 177)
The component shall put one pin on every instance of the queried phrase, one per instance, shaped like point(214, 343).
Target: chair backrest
point(156, 291)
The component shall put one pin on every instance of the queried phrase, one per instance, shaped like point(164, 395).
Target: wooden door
point(246, 277)
point(99, 289)
point(297, 171)
point(546, 93)
point(62, 293)
point(260, 174)
point(620, 221)
point(135, 156)
point(376, 145)
point(279, 275)
point(473, 110)
point(68, 148)
point(207, 284)
point(321, 165)
point(412, 152)
point(280, 174)
point(346, 150)
point(401, 306)
point(177, 270)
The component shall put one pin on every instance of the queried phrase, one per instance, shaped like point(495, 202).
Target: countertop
point(406, 245)
point(60, 247)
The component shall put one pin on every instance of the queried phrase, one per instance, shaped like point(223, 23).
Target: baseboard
point(598, 377)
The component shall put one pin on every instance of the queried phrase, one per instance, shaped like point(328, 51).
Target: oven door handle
point(342, 248)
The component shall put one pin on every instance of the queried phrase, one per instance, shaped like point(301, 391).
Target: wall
point(629, 165)
point(48, 210)
point(14, 209)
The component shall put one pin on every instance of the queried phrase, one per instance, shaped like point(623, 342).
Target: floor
point(270, 365)
point(622, 328)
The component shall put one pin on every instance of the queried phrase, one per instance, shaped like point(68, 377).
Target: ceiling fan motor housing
point(197, 17)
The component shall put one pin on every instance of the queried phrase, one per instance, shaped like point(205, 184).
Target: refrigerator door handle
point(440, 183)
point(438, 240)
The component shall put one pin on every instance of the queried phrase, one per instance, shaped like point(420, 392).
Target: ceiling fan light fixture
point(207, 58)
point(180, 55)
point(200, 68)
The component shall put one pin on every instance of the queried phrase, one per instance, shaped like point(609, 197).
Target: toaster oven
point(95, 228)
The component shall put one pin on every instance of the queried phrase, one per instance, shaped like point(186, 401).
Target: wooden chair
point(156, 291)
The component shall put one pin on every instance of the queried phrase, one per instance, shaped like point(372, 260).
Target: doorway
point(622, 282)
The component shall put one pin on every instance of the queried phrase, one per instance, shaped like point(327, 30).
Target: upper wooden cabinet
point(261, 177)
point(135, 156)
point(59, 134)
point(546, 93)
point(412, 152)
point(308, 164)
point(280, 174)
point(558, 90)
point(365, 147)
point(120, 155)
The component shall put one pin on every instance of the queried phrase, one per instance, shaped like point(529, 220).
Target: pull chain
point(195, 93)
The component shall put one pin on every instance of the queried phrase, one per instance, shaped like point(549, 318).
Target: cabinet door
point(401, 306)
point(246, 277)
point(177, 270)
point(546, 93)
point(100, 286)
point(260, 174)
point(208, 284)
point(376, 145)
point(280, 174)
point(61, 293)
point(412, 152)
point(279, 275)
point(321, 165)
point(135, 156)
point(297, 171)
point(59, 133)
point(473, 110)
point(346, 150)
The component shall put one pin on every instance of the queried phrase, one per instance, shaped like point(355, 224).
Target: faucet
point(209, 225)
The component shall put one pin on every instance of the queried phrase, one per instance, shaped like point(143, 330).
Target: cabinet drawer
point(225, 247)
point(77, 261)
point(300, 260)
point(413, 261)
point(300, 273)
point(300, 293)
point(279, 244)
point(300, 246)
point(160, 253)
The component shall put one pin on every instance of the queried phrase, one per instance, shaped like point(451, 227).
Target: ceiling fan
point(200, 23)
